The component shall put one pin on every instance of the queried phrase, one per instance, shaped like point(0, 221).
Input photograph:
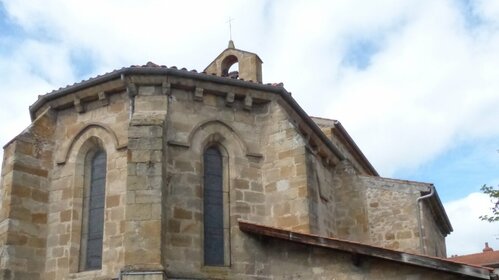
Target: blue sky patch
point(359, 52)
point(10, 32)
point(478, 161)
point(8, 28)
point(83, 63)
point(468, 11)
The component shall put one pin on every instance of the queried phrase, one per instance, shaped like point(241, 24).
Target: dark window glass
point(96, 211)
point(213, 208)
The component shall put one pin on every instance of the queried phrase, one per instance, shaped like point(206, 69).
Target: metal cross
point(230, 27)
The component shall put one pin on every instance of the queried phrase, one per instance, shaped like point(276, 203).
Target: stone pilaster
point(145, 181)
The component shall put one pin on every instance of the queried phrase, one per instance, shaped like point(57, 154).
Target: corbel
point(104, 100)
point(131, 89)
point(313, 144)
point(78, 106)
point(326, 162)
point(248, 102)
point(198, 94)
point(322, 152)
point(229, 99)
point(166, 88)
point(178, 144)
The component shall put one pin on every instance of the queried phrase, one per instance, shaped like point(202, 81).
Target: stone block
point(148, 196)
point(113, 201)
point(180, 240)
point(137, 182)
point(184, 166)
point(287, 221)
point(182, 214)
point(144, 155)
point(145, 143)
point(65, 216)
point(39, 218)
point(151, 103)
point(30, 170)
point(138, 212)
point(389, 236)
point(241, 184)
point(404, 234)
point(173, 226)
point(143, 275)
point(254, 197)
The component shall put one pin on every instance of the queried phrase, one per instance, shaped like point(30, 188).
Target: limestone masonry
point(150, 172)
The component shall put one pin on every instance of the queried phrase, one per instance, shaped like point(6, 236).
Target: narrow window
point(214, 245)
point(94, 207)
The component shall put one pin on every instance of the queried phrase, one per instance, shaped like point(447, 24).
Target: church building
point(152, 172)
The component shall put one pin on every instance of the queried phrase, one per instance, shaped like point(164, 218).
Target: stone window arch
point(94, 191)
point(216, 233)
point(76, 159)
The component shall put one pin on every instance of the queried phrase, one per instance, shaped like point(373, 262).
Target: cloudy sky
point(416, 83)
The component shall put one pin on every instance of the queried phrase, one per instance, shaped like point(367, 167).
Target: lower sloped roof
point(434, 263)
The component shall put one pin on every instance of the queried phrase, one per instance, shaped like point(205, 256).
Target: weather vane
point(230, 27)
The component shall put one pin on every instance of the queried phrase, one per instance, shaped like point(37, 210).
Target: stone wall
point(434, 240)
point(382, 212)
point(278, 259)
point(393, 213)
point(195, 123)
point(284, 172)
point(393, 217)
point(99, 125)
point(321, 197)
point(350, 204)
point(24, 197)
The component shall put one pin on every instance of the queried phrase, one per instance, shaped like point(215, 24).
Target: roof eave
point(144, 70)
point(369, 250)
point(445, 224)
point(121, 73)
point(356, 148)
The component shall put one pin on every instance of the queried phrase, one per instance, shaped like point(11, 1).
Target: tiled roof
point(149, 64)
point(488, 257)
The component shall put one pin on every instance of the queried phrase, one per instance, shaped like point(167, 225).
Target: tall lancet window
point(214, 229)
point(93, 221)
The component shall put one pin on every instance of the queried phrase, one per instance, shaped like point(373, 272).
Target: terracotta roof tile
point(55, 93)
point(486, 258)
point(149, 64)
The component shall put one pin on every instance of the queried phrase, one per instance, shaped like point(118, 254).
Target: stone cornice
point(313, 132)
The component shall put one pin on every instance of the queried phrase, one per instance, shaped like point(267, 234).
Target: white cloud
point(470, 233)
point(432, 85)
point(119, 33)
point(107, 35)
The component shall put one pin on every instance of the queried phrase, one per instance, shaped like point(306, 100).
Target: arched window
point(215, 230)
point(93, 211)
